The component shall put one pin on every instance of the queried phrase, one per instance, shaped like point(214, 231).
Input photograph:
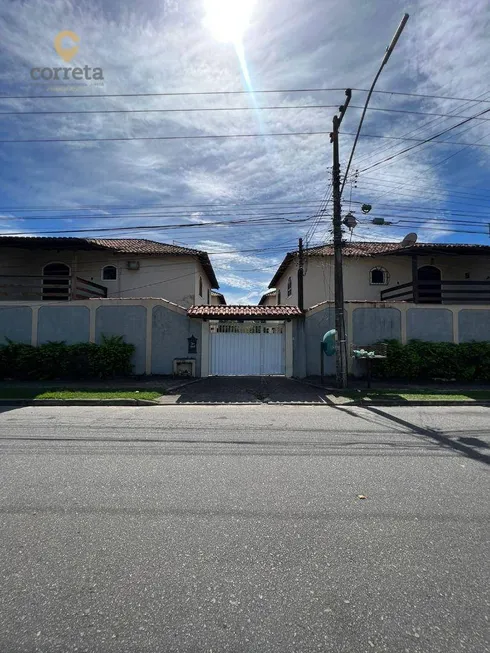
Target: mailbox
point(192, 345)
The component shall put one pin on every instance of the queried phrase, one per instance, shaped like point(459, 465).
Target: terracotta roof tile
point(242, 312)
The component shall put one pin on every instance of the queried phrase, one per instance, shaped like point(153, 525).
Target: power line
point(260, 135)
point(424, 95)
point(418, 129)
point(162, 227)
point(104, 207)
point(163, 138)
point(241, 92)
point(428, 140)
point(440, 229)
point(207, 109)
point(186, 110)
point(392, 186)
point(259, 216)
point(171, 94)
point(226, 206)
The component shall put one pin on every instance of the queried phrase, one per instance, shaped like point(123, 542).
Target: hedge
point(57, 360)
point(419, 360)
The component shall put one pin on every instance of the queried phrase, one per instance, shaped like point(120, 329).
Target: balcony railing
point(439, 292)
point(26, 287)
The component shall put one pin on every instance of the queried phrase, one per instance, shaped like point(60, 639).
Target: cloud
point(163, 48)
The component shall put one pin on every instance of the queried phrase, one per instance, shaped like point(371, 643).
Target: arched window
point(379, 277)
point(55, 287)
point(290, 286)
point(200, 286)
point(109, 273)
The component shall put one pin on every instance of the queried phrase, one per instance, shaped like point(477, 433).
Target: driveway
point(246, 390)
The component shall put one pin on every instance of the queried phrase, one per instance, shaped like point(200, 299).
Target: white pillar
point(34, 325)
point(289, 349)
point(205, 348)
point(455, 314)
point(92, 307)
point(149, 333)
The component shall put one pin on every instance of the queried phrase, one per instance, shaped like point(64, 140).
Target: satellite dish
point(409, 240)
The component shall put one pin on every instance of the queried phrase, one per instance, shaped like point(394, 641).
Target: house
point(217, 298)
point(428, 273)
point(269, 298)
point(65, 269)
point(161, 299)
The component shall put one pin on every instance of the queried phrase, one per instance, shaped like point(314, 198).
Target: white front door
point(247, 349)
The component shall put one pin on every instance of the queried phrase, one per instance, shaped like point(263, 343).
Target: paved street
point(240, 528)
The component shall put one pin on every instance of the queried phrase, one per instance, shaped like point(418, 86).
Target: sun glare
point(228, 19)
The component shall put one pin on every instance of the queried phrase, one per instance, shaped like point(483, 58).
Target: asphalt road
point(210, 529)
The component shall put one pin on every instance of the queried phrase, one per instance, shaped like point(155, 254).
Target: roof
point(366, 249)
point(265, 295)
point(133, 246)
point(219, 295)
point(245, 312)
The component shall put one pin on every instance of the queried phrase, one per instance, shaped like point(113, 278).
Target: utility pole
point(341, 353)
point(301, 264)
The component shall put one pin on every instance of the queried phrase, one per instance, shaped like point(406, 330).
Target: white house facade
point(374, 272)
point(75, 268)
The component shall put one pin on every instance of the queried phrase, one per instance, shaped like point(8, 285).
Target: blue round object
point(328, 342)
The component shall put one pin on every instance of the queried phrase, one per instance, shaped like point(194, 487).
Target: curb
point(434, 402)
point(182, 385)
point(77, 402)
point(94, 402)
point(391, 402)
point(304, 404)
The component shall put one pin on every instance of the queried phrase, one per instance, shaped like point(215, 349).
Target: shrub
point(420, 360)
point(57, 360)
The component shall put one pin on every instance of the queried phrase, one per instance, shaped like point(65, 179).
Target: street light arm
point(387, 55)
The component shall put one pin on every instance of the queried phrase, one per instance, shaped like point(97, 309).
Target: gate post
point(205, 348)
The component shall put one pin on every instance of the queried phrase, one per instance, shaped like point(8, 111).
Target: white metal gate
point(247, 349)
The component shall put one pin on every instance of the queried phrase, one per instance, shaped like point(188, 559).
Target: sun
point(228, 19)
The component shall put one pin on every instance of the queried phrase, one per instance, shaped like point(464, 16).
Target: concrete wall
point(319, 279)
point(371, 322)
point(432, 325)
point(474, 325)
point(158, 329)
point(175, 278)
point(16, 324)
point(316, 325)
point(69, 323)
point(170, 331)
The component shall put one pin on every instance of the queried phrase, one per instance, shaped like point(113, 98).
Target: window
point(109, 273)
point(379, 277)
point(200, 286)
point(290, 286)
point(209, 296)
point(278, 297)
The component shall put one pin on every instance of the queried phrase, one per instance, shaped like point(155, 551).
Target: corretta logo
point(65, 44)
point(66, 54)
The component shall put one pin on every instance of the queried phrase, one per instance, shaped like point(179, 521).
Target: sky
point(244, 199)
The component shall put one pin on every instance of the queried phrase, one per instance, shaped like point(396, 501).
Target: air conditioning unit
point(185, 367)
